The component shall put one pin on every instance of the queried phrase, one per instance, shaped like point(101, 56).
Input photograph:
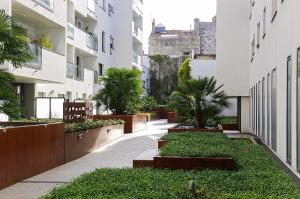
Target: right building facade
point(258, 60)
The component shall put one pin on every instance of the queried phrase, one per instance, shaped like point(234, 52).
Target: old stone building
point(176, 43)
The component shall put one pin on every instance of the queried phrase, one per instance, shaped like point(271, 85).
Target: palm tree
point(14, 49)
point(202, 98)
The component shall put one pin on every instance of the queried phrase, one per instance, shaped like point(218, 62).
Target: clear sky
point(176, 14)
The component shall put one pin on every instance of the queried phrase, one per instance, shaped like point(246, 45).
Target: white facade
point(203, 68)
point(88, 36)
point(258, 55)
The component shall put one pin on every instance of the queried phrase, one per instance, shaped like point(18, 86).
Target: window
point(258, 35)
point(274, 110)
point(259, 109)
point(61, 95)
point(110, 10)
point(253, 47)
point(289, 110)
point(102, 4)
point(83, 96)
point(112, 46)
point(48, 4)
point(103, 41)
point(274, 9)
point(41, 94)
point(263, 107)
point(298, 110)
point(251, 5)
point(69, 95)
point(264, 22)
point(268, 108)
point(100, 69)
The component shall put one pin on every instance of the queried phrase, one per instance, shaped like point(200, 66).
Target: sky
point(176, 14)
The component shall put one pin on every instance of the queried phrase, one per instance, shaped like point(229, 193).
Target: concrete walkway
point(117, 154)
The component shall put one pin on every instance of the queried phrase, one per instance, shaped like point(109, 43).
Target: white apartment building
point(258, 60)
point(88, 36)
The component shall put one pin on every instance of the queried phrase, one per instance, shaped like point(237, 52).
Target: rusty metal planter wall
point(81, 143)
point(29, 150)
point(133, 123)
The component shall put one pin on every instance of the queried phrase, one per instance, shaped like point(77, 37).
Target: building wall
point(233, 46)
point(203, 68)
point(281, 40)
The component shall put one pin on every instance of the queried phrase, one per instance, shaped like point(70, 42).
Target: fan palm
point(14, 49)
point(202, 98)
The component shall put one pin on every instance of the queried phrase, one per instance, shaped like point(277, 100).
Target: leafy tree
point(200, 99)
point(14, 49)
point(163, 76)
point(149, 103)
point(122, 91)
point(184, 72)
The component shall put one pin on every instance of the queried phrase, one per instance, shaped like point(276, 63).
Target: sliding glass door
point(289, 111)
point(274, 110)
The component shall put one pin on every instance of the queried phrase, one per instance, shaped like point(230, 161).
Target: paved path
point(117, 154)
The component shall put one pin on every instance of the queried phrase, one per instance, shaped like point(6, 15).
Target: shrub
point(184, 72)
point(45, 42)
point(122, 91)
point(77, 127)
point(149, 103)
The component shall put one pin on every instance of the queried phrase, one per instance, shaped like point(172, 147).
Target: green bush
point(184, 72)
point(77, 127)
point(45, 42)
point(259, 177)
point(149, 103)
point(122, 91)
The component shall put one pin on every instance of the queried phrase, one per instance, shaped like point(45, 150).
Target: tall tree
point(14, 49)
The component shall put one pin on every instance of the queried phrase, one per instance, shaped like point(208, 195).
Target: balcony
point(46, 66)
point(75, 72)
point(137, 32)
point(84, 41)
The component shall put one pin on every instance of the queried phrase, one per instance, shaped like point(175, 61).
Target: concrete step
point(145, 159)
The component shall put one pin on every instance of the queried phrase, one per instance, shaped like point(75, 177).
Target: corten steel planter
point(133, 123)
point(81, 143)
point(171, 116)
point(29, 150)
point(230, 127)
point(190, 163)
point(161, 113)
point(161, 143)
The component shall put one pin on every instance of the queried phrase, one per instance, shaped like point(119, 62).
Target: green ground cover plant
point(77, 127)
point(258, 177)
point(197, 145)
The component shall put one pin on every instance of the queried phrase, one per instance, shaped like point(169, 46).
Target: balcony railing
point(75, 72)
point(36, 61)
point(70, 32)
point(91, 41)
point(48, 4)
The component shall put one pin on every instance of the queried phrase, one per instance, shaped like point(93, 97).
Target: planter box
point(190, 163)
point(171, 116)
point(230, 127)
point(147, 115)
point(133, 123)
point(161, 113)
point(161, 143)
point(81, 143)
point(29, 150)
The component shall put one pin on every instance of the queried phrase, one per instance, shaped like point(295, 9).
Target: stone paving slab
point(118, 154)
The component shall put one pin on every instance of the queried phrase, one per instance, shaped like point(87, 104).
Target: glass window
point(268, 109)
point(274, 8)
point(274, 110)
point(298, 110)
point(263, 108)
point(264, 22)
point(289, 110)
point(103, 41)
point(258, 35)
point(259, 109)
